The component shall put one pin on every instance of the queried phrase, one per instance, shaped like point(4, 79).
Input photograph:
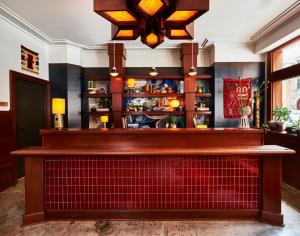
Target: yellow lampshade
point(104, 119)
point(174, 103)
point(131, 83)
point(201, 126)
point(58, 106)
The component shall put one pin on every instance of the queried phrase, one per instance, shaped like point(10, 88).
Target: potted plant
point(292, 128)
point(298, 127)
point(281, 115)
point(173, 121)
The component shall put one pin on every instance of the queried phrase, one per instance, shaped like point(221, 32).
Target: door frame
point(13, 76)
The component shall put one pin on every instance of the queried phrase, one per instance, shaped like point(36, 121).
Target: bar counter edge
point(245, 145)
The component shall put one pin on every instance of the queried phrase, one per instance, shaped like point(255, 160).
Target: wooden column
point(271, 187)
point(189, 81)
point(117, 58)
point(34, 190)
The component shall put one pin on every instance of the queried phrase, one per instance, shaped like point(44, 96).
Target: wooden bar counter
point(153, 174)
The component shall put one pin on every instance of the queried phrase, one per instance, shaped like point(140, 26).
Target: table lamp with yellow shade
point(131, 83)
point(58, 110)
point(174, 104)
point(104, 119)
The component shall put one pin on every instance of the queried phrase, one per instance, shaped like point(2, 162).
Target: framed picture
point(29, 60)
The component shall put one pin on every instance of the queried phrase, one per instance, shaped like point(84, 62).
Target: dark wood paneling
point(89, 73)
point(58, 77)
point(65, 80)
point(291, 166)
point(74, 95)
point(6, 146)
point(100, 72)
point(271, 198)
point(24, 78)
point(34, 190)
point(156, 138)
point(156, 215)
point(254, 70)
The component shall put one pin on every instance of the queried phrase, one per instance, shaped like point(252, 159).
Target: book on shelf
point(203, 109)
point(102, 109)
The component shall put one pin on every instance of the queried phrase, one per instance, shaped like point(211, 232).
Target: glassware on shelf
point(153, 104)
point(99, 87)
point(153, 86)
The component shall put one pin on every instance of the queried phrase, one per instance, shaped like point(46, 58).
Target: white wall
point(11, 40)
point(65, 54)
point(236, 52)
point(94, 58)
point(135, 57)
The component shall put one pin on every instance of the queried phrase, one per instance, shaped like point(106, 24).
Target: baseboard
point(6, 177)
point(272, 218)
point(154, 215)
point(33, 218)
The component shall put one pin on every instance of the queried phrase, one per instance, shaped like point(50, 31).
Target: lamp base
point(58, 121)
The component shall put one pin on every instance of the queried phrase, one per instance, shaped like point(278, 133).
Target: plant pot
point(244, 112)
point(291, 130)
point(298, 132)
point(277, 126)
point(172, 125)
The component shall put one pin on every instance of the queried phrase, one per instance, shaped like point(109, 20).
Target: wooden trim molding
point(276, 74)
point(34, 190)
point(14, 75)
point(3, 104)
point(286, 73)
point(156, 215)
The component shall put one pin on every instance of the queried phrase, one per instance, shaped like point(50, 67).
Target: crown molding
point(283, 17)
point(16, 21)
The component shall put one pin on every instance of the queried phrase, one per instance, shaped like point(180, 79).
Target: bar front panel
point(151, 183)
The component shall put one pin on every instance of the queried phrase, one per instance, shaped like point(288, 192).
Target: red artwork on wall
point(237, 92)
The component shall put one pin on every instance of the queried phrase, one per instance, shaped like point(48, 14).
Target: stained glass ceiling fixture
point(151, 19)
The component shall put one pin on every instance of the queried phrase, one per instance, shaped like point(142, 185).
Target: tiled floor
point(12, 208)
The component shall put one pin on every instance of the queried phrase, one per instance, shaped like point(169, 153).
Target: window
point(284, 78)
point(286, 56)
point(291, 97)
point(291, 55)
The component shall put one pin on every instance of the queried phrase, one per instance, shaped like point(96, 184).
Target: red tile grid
point(151, 183)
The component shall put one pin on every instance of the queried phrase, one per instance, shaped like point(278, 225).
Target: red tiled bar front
point(151, 183)
point(153, 174)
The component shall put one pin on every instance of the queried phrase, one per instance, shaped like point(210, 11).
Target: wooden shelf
point(203, 94)
point(162, 77)
point(202, 112)
point(98, 113)
point(96, 78)
point(97, 95)
point(143, 95)
point(153, 113)
point(176, 77)
point(204, 76)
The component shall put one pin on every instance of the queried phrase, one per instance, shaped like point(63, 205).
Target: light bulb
point(153, 72)
point(192, 71)
point(114, 72)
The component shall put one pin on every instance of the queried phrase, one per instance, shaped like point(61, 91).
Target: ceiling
point(74, 20)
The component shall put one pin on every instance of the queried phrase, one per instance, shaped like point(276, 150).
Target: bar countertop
point(265, 150)
point(152, 131)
